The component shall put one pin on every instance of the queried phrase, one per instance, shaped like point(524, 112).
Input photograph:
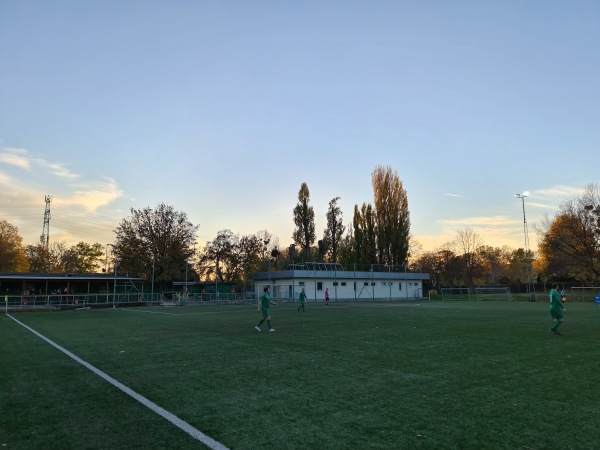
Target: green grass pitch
point(470, 375)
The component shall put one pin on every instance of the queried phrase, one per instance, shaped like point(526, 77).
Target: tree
point(365, 246)
point(346, 248)
point(304, 217)
point(519, 266)
point(42, 259)
point(570, 243)
point(13, 257)
point(334, 231)
point(392, 216)
point(250, 250)
point(220, 259)
point(83, 258)
point(467, 243)
point(427, 262)
point(163, 236)
point(415, 250)
point(493, 263)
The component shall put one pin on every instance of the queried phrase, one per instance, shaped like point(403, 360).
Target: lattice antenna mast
point(45, 237)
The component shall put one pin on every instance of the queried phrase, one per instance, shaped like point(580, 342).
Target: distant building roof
point(63, 276)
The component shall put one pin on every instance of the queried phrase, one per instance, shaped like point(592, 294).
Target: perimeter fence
point(115, 300)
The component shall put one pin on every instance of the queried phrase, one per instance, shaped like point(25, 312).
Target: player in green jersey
point(302, 300)
point(264, 302)
point(556, 309)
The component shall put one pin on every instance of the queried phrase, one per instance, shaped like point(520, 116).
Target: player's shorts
point(265, 312)
point(557, 313)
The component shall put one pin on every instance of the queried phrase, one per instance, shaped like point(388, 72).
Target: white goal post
point(493, 294)
point(456, 294)
point(583, 293)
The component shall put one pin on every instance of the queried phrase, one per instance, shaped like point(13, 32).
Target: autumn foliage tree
point(13, 257)
point(304, 217)
point(570, 242)
point(160, 237)
point(392, 216)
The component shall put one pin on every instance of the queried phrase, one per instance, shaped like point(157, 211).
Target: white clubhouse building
point(342, 285)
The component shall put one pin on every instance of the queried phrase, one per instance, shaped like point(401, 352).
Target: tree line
point(160, 244)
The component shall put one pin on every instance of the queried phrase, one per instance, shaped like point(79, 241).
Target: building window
point(335, 283)
point(343, 283)
point(301, 283)
point(399, 286)
point(366, 283)
point(319, 285)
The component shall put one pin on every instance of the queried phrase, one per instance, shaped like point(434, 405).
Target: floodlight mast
point(530, 286)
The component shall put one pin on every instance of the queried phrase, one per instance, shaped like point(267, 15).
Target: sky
point(222, 109)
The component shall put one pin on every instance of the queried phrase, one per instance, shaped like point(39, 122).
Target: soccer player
point(562, 294)
point(302, 300)
point(556, 309)
point(327, 296)
point(264, 302)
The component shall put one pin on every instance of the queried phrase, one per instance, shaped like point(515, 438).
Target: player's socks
point(269, 324)
point(260, 323)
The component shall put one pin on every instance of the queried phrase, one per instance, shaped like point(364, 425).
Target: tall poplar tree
point(304, 218)
point(392, 216)
point(332, 235)
point(365, 248)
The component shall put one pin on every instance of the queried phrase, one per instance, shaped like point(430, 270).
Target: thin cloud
point(92, 196)
point(453, 195)
point(485, 221)
point(559, 191)
point(16, 157)
point(23, 159)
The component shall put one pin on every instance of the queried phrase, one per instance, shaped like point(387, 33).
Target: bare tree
point(467, 243)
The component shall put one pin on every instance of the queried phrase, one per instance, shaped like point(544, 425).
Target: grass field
point(472, 375)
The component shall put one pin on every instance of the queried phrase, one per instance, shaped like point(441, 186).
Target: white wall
point(345, 290)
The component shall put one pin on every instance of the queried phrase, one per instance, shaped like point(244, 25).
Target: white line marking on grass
point(148, 312)
point(181, 424)
point(395, 305)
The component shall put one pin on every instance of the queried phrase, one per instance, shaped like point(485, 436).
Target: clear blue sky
point(223, 108)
